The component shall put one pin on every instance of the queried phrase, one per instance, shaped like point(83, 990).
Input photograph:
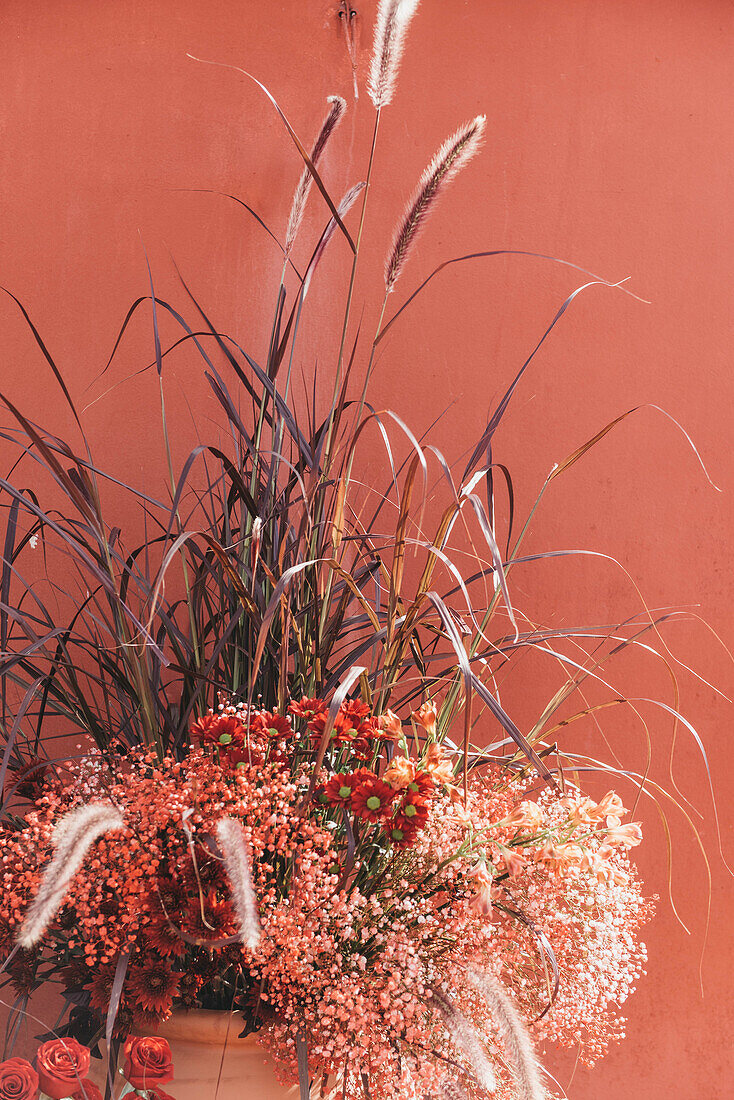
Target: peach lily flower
point(627, 836)
point(400, 773)
point(426, 717)
point(391, 725)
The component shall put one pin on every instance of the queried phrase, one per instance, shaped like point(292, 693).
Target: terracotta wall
point(609, 144)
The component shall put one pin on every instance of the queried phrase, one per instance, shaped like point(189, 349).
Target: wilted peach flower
point(526, 815)
point(400, 773)
point(598, 864)
point(562, 860)
point(514, 861)
point(461, 813)
point(481, 901)
point(484, 890)
point(480, 873)
point(580, 809)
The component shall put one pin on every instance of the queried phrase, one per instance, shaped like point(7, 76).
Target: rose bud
point(18, 1080)
point(148, 1062)
point(62, 1065)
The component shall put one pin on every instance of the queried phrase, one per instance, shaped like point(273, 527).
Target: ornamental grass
point(297, 793)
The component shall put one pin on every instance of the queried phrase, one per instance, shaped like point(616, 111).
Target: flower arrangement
point(365, 907)
point(61, 1068)
point(286, 797)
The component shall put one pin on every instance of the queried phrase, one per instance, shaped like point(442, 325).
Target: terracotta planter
point(198, 1039)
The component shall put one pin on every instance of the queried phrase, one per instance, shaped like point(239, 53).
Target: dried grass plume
point(465, 1037)
point(71, 839)
point(453, 155)
point(514, 1036)
point(343, 209)
point(393, 17)
point(451, 1091)
point(237, 864)
point(329, 125)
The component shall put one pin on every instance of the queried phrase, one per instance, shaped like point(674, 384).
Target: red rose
point(147, 1062)
point(18, 1080)
point(87, 1090)
point(62, 1065)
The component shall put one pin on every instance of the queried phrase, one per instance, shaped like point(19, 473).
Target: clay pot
point(199, 1040)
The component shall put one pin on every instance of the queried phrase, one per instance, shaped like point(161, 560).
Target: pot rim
point(204, 1025)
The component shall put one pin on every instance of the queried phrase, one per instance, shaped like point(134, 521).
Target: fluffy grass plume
point(71, 839)
point(393, 17)
point(237, 864)
point(455, 152)
point(451, 1091)
point(465, 1037)
point(514, 1036)
point(344, 207)
point(330, 123)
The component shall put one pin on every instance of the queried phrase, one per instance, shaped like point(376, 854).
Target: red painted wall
point(609, 144)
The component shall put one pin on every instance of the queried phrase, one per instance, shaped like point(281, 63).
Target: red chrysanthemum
point(356, 710)
point(344, 730)
point(189, 985)
point(171, 896)
point(413, 809)
point(200, 730)
point(317, 725)
point(307, 708)
point(100, 987)
point(272, 724)
point(362, 748)
point(153, 985)
point(401, 832)
point(245, 756)
point(219, 729)
point(163, 938)
point(218, 919)
point(372, 799)
point(422, 783)
point(145, 1022)
point(338, 791)
point(23, 970)
point(30, 780)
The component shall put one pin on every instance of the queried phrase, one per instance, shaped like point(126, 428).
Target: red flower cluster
point(401, 811)
point(307, 708)
point(240, 738)
point(354, 727)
